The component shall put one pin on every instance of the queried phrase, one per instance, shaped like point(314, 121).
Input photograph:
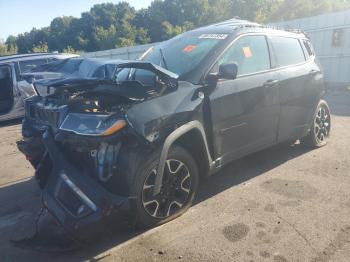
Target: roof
point(229, 25)
point(232, 25)
point(25, 56)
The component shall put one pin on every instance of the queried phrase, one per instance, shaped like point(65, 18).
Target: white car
point(13, 87)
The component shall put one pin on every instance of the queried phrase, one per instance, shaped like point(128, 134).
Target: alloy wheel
point(174, 193)
point(322, 124)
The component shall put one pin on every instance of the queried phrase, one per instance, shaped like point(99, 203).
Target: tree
point(11, 44)
point(69, 50)
point(110, 25)
point(106, 38)
point(40, 48)
point(58, 31)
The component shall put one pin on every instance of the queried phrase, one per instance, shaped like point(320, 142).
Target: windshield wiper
point(163, 58)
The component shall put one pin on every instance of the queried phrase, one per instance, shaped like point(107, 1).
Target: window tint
point(26, 66)
point(287, 51)
point(250, 53)
point(308, 48)
point(122, 75)
point(146, 77)
point(100, 72)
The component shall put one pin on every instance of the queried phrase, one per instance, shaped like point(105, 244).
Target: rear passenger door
point(245, 110)
point(295, 94)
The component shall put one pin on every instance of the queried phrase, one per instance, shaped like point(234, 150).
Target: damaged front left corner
point(81, 138)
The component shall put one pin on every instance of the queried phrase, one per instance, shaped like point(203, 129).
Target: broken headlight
point(92, 125)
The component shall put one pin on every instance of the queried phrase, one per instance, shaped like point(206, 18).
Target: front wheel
point(179, 186)
point(320, 128)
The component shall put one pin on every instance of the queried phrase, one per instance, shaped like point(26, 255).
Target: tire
point(320, 128)
point(177, 187)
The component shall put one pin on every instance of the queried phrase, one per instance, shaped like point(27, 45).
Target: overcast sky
point(18, 16)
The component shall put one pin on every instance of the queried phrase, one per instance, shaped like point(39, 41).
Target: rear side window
point(287, 51)
point(309, 52)
point(250, 53)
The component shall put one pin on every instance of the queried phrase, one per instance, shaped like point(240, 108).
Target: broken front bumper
point(77, 201)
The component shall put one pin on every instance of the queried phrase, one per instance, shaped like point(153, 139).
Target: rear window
point(28, 65)
point(287, 51)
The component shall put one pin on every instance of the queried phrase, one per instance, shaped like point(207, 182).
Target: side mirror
point(228, 71)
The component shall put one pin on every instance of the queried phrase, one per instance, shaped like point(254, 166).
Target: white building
point(330, 36)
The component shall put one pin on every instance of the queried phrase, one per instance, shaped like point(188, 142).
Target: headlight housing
point(92, 125)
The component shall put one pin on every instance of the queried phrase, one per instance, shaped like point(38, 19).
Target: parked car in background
point(141, 141)
point(72, 68)
point(14, 88)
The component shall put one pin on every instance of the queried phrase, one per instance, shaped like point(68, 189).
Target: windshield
point(183, 53)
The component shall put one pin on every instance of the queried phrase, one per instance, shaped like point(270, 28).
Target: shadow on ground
point(12, 205)
point(117, 233)
point(11, 122)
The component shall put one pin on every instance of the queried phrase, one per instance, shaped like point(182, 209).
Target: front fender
point(156, 118)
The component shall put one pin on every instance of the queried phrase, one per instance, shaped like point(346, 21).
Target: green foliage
point(69, 50)
point(9, 47)
point(40, 48)
point(110, 25)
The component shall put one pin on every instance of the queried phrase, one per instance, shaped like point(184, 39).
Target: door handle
point(271, 83)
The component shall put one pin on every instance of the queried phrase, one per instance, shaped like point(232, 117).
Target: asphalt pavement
point(286, 203)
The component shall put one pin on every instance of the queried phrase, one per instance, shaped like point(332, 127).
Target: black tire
point(320, 128)
point(152, 214)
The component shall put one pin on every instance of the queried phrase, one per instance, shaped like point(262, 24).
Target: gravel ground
point(283, 204)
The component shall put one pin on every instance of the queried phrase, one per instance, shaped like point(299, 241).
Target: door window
point(287, 51)
point(250, 53)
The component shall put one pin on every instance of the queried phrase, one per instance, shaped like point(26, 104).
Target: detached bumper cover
point(77, 201)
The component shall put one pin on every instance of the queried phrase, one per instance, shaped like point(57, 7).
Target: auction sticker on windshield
point(213, 36)
point(189, 48)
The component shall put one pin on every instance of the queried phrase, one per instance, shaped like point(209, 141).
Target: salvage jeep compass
point(141, 141)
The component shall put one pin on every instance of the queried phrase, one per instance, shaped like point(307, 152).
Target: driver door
point(245, 110)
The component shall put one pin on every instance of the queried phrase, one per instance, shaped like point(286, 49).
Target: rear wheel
point(320, 128)
point(179, 186)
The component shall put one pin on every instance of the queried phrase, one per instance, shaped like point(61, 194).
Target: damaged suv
point(141, 141)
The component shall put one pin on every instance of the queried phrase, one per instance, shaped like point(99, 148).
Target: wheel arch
point(194, 143)
point(192, 137)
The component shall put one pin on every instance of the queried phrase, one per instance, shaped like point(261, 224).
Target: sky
point(19, 16)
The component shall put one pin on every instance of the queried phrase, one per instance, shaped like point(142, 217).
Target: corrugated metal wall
point(330, 36)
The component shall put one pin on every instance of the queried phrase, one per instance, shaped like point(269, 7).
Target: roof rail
point(292, 30)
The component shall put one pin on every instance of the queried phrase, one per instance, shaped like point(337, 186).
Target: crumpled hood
point(61, 81)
